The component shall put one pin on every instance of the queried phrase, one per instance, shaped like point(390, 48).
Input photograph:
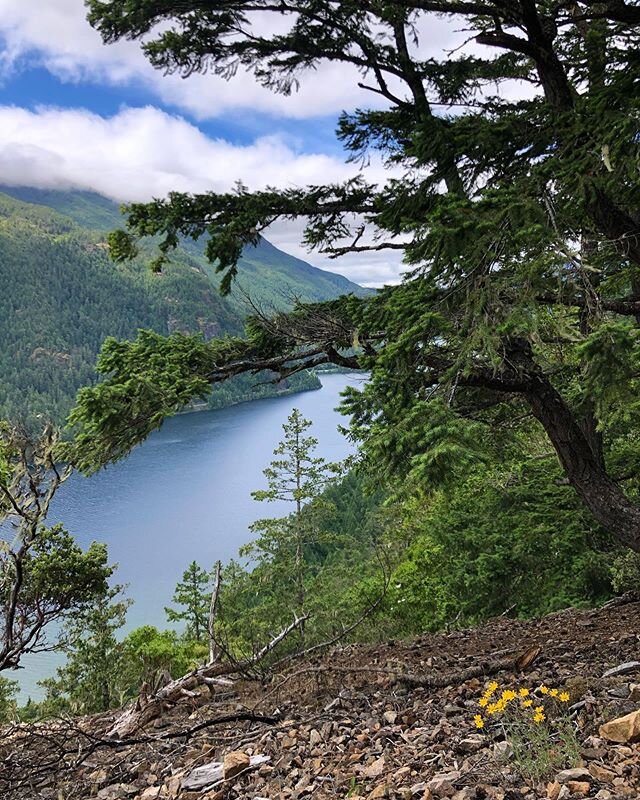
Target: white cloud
point(145, 152)
point(56, 35)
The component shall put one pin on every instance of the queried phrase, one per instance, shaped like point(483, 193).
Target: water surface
point(185, 494)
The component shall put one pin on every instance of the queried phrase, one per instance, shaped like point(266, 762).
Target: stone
point(172, 784)
point(99, 776)
point(623, 729)
point(471, 744)
point(601, 774)
point(575, 774)
point(150, 793)
point(443, 785)
point(579, 787)
point(634, 692)
point(623, 669)
point(401, 773)
point(235, 762)
point(502, 751)
point(553, 790)
point(619, 692)
point(390, 717)
point(315, 737)
point(117, 791)
point(603, 794)
point(467, 793)
point(593, 753)
point(375, 769)
point(379, 791)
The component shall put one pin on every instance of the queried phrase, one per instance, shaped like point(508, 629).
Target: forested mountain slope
point(61, 296)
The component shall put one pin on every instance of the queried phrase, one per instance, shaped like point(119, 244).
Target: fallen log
point(486, 668)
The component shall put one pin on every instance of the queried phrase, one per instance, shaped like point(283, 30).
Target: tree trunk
point(583, 467)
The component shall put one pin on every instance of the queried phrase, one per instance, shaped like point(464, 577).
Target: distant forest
point(61, 297)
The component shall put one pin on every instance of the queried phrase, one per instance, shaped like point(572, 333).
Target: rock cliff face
point(397, 720)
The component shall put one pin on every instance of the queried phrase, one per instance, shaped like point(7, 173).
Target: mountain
point(61, 296)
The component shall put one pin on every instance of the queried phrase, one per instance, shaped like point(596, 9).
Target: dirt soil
point(393, 720)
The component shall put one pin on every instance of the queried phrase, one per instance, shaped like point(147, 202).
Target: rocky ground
point(386, 721)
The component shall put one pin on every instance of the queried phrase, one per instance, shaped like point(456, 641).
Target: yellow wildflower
point(544, 689)
point(508, 695)
point(553, 693)
point(524, 692)
point(479, 722)
point(492, 708)
point(539, 709)
point(563, 697)
point(483, 701)
point(538, 718)
point(527, 703)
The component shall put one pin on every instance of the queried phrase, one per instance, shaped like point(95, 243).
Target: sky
point(75, 113)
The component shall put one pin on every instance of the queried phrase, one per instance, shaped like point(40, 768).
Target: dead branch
point(186, 733)
point(346, 631)
point(141, 713)
point(25, 498)
point(482, 670)
point(512, 663)
point(213, 607)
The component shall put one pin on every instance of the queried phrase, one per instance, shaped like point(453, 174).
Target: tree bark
point(583, 467)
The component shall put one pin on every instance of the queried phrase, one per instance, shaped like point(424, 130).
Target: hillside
point(60, 297)
point(389, 721)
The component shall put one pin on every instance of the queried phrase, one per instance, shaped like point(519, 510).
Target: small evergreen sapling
point(192, 595)
point(299, 478)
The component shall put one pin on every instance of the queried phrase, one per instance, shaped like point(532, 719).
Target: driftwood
point(213, 773)
point(147, 709)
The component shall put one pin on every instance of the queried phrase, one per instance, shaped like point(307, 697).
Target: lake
point(184, 495)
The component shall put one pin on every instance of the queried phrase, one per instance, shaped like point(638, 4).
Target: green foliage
point(191, 595)
point(45, 577)
point(539, 752)
point(503, 540)
point(149, 654)
point(60, 574)
point(91, 679)
point(517, 214)
point(284, 544)
point(58, 581)
point(625, 572)
point(104, 671)
point(8, 705)
point(341, 541)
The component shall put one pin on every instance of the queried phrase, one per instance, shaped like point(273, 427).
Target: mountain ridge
point(61, 296)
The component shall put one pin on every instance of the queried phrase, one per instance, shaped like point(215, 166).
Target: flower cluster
point(495, 704)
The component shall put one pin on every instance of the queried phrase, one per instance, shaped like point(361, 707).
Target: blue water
point(185, 494)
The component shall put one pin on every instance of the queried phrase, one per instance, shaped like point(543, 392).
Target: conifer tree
point(192, 595)
point(297, 477)
point(514, 201)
